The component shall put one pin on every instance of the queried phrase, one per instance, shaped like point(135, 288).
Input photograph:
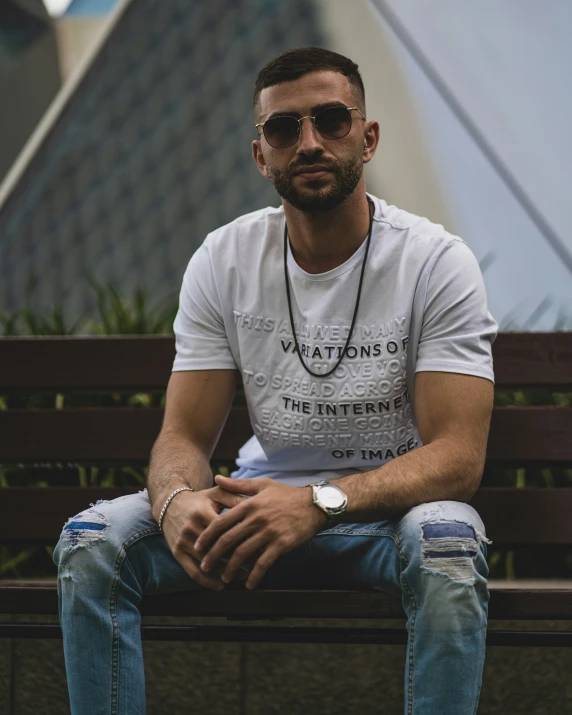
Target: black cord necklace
point(297, 347)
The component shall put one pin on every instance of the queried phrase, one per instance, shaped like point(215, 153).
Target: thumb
point(240, 486)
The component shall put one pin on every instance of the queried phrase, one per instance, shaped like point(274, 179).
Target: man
point(363, 339)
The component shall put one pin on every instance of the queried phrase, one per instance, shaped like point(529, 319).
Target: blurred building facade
point(149, 146)
point(149, 151)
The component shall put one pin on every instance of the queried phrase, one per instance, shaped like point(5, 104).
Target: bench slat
point(238, 603)
point(124, 434)
point(511, 516)
point(533, 359)
point(98, 363)
point(295, 634)
point(530, 434)
point(99, 434)
point(139, 363)
point(525, 516)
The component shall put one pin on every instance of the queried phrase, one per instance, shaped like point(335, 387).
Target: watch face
point(330, 497)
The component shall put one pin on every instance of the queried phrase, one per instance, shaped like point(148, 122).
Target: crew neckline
point(295, 269)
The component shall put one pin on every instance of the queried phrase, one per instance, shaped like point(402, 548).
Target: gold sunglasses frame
point(278, 116)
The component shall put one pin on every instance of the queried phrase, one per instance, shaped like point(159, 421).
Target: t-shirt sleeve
point(457, 330)
point(200, 336)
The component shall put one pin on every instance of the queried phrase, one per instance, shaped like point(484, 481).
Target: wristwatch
point(331, 499)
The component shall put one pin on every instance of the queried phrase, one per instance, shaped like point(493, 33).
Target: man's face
point(315, 174)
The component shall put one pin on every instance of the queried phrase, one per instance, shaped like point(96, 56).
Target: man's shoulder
point(252, 226)
point(416, 227)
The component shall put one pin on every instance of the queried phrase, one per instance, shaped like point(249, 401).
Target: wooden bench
point(524, 436)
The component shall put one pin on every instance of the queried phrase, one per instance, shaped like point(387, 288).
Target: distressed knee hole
point(448, 548)
point(84, 530)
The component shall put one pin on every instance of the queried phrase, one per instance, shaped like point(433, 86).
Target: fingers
point(247, 551)
point(245, 529)
point(194, 571)
point(226, 542)
point(222, 497)
point(218, 526)
point(264, 562)
point(243, 486)
point(185, 523)
point(192, 560)
point(184, 553)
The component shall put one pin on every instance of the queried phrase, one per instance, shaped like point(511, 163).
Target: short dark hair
point(293, 64)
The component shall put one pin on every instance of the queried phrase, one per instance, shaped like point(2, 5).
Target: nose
point(309, 141)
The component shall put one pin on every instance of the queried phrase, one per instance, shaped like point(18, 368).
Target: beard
point(313, 197)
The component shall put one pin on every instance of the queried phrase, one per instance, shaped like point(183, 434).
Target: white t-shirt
point(423, 308)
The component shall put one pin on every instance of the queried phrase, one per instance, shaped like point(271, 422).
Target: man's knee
point(445, 538)
point(99, 532)
point(85, 542)
point(83, 531)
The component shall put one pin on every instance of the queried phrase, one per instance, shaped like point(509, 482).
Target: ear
point(258, 157)
point(370, 140)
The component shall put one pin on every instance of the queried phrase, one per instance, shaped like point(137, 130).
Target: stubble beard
point(316, 198)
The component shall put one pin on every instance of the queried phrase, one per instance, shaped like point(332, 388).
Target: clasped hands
point(270, 520)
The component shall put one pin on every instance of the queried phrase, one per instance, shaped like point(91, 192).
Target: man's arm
point(197, 405)
point(453, 414)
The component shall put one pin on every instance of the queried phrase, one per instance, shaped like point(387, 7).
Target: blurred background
point(125, 131)
point(125, 137)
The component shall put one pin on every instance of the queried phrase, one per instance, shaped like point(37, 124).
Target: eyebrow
point(314, 110)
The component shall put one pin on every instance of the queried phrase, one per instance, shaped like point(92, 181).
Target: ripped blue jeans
point(113, 554)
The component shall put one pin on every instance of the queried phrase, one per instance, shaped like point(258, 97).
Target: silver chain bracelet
point(166, 504)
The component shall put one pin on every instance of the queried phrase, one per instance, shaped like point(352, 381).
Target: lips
point(313, 172)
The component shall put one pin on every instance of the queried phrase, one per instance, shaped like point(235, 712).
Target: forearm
point(175, 462)
point(439, 470)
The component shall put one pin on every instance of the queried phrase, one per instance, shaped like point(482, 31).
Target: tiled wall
point(152, 152)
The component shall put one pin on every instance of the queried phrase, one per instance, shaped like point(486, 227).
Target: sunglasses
point(332, 123)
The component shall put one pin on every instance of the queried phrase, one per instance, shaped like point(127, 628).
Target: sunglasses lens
point(334, 123)
point(281, 132)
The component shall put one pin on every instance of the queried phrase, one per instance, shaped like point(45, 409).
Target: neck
point(323, 240)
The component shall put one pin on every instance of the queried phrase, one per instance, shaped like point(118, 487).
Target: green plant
point(52, 322)
point(130, 317)
point(10, 323)
point(117, 315)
